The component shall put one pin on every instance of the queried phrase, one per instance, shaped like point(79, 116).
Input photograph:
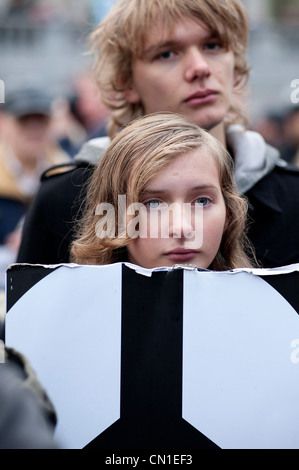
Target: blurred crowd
point(53, 11)
point(282, 131)
point(38, 130)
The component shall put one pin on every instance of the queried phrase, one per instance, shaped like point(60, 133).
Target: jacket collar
point(93, 150)
point(254, 159)
point(265, 194)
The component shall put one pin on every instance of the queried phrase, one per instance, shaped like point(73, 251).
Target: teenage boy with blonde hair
point(188, 57)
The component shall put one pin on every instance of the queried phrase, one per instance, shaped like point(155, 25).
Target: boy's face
point(184, 216)
point(186, 71)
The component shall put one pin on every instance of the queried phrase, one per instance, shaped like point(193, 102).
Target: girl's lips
point(181, 255)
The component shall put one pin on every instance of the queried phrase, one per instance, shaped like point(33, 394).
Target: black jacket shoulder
point(286, 167)
point(66, 170)
point(274, 217)
point(50, 220)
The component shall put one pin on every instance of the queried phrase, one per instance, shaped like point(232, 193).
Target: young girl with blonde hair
point(158, 161)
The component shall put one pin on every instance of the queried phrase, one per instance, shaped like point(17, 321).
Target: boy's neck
point(219, 133)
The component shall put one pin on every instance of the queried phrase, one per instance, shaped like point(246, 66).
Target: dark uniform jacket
point(270, 184)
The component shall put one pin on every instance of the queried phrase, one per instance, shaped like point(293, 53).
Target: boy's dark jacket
point(270, 184)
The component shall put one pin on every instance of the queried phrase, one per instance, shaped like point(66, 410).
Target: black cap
point(25, 101)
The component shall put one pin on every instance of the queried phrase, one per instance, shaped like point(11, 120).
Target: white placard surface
point(241, 384)
point(69, 327)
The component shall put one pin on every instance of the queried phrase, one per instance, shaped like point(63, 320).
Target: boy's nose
point(196, 65)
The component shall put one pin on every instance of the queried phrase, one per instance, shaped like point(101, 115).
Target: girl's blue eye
point(202, 201)
point(152, 204)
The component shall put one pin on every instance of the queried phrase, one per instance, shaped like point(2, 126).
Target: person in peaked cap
point(27, 101)
point(26, 150)
point(188, 57)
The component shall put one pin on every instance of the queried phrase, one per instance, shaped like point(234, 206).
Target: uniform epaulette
point(58, 169)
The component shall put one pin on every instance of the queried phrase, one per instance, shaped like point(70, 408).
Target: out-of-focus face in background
point(89, 106)
point(25, 121)
point(27, 135)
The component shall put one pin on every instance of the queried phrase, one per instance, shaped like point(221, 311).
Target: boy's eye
point(166, 55)
point(213, 46)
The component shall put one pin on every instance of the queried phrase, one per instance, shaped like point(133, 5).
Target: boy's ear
point(131, 95)
point(237, 78)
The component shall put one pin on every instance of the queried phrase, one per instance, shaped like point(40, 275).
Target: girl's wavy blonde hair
point(121, 37)
point(136, 155)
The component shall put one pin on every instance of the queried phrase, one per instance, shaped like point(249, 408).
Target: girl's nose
point(181, 221)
